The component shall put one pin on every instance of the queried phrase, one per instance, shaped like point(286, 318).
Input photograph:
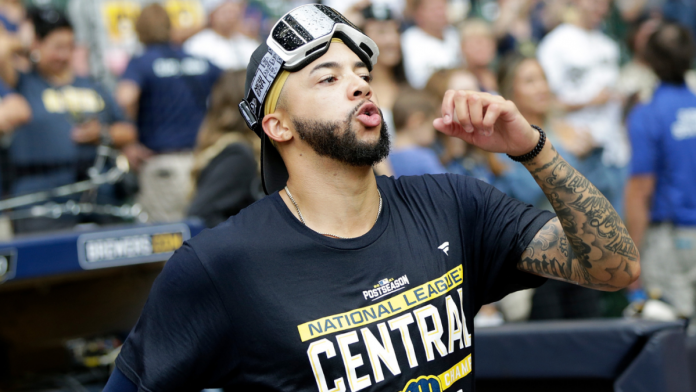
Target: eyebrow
point(334, 65)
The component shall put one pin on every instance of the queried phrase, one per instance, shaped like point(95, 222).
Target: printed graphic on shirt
point(72, 99)
point(442, 331)
point(386, 287)
point(443, 381)
point(190, 66)
point(685, 126)
point(444, 247)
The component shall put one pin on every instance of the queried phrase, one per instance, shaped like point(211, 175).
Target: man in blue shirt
point(165, 91)
point(661, 194)
point(71, 115)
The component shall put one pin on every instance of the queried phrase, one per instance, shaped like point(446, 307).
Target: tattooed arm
point(587, 244)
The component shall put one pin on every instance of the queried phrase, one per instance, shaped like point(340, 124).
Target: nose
point(359, 89)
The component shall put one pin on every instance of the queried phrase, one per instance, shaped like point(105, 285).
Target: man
point(431, 44)
point(164, 90)
point(582, 66)
point(661, 193)
point(223, 43)
point(339, 280)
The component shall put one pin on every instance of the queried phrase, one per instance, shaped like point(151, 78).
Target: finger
point(461, 111)
point(475, 111)
point(492, 113)
point(448, 106)
point(440, 125)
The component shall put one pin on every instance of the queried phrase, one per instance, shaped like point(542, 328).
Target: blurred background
point(120, 139)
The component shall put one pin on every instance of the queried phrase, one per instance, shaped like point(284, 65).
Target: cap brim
point(274, 174)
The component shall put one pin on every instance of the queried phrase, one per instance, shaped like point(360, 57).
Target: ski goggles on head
point(298, 38)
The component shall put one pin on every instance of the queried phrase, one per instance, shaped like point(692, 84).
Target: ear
point(275, 127)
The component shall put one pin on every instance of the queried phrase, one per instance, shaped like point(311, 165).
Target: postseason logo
point(385, 287)
point(132, 246)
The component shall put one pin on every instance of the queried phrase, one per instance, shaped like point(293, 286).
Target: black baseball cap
point(274, 174)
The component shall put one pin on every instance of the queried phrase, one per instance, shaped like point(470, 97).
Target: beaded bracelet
point(532, 154)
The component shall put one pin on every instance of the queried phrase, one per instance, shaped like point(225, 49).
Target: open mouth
point(369, 115)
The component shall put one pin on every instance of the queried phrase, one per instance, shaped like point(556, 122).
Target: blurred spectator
point(378, 22)
point(165, 91)
point(637, 81)
point(522, 80)
point(388, 74)
point(514, 26)
point(582, 68)
point(479, 48)
point(395, 7)
point(414, 112)
point(225, 164)
point(70, 116)
point(457, 156)
point(223, 43)
point(661, 193)
point(431, 44)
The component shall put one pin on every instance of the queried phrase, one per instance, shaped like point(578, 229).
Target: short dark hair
point(48, 20)
point(670, 51)
point(153, 25)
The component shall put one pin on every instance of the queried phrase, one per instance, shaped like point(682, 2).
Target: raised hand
point(487, 121)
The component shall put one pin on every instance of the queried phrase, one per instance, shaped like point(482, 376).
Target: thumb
point(447, 129)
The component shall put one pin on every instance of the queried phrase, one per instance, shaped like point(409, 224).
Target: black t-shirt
point(263, 303)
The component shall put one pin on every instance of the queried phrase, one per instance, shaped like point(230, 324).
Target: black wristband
point(532, 154)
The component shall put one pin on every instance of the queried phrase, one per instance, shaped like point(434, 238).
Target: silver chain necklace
point(379, 211)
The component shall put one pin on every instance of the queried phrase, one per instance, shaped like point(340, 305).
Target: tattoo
point(587, 243)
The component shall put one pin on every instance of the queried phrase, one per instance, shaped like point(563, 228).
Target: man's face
point(594, 11)
point(333, 110)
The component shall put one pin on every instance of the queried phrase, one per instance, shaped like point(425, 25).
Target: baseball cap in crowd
point(297, 39)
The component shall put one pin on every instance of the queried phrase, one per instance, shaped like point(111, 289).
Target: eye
point(328, 79)
point(367, 78)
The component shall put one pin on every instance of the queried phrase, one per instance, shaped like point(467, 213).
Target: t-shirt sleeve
point(499, 229)
point(135, 72)
point(643, 142)
point(181, 341)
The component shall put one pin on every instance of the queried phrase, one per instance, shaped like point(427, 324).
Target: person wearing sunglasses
point(342, 280)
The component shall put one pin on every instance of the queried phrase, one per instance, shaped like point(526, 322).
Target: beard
point(338, 140)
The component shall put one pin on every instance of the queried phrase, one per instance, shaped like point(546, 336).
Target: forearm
point(9, 46)
point(122, 133)
point(637, 219)
point(639, 194)
point(594, 248)
point(14, 111)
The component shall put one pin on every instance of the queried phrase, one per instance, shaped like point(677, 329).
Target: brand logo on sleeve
point(385, 287)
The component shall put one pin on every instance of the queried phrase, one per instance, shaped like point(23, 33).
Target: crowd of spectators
point(160, 80)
